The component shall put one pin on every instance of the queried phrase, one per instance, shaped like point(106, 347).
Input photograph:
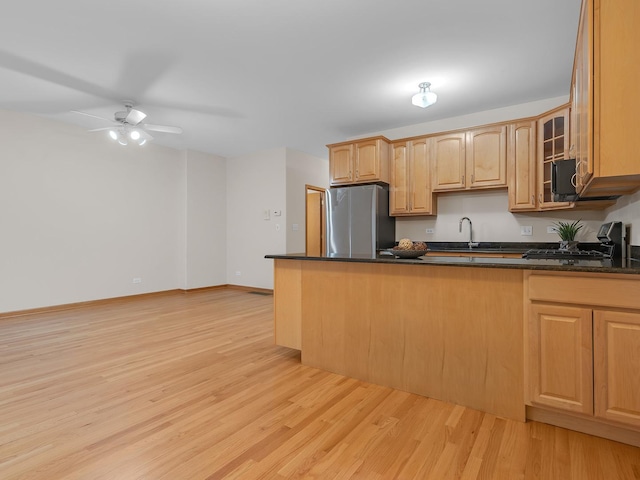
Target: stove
point(612, 248)
point(557, 254)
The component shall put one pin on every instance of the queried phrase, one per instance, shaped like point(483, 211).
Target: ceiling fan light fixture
point(128, 127)
point(425, 97)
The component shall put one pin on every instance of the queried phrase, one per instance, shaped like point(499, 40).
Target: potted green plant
point(567, 233)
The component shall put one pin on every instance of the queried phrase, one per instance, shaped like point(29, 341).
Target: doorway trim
point(311, 189)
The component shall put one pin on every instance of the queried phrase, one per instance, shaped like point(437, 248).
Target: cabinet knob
point(533, 199)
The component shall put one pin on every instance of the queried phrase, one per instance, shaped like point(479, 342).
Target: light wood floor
point(191, 386)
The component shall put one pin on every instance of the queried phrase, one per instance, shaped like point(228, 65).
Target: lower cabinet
point(616, 338)
point(560, 353)
point(583, 354)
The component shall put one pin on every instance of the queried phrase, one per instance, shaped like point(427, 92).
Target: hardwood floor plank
point(191, 386)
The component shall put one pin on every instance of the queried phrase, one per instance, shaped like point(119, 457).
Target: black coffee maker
point(611, 236)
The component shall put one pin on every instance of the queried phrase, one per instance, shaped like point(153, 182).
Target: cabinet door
point(366, 155)
point(581, 105)
point(617, 366)
point(341, 164)
point(369, 156)
point(399, 181)
point(422, 200)
point(616, 96)
point(486, 157)
point(449, 161)
point(553, 133)
point(521, 160)
point(560, 371)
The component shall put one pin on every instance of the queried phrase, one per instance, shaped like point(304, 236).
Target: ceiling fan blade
point(102, 129)
point(134, 117)
point(162, 128)
point(91, 115)
point(145, 135)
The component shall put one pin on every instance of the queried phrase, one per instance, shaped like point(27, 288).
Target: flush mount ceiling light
point(424, 97)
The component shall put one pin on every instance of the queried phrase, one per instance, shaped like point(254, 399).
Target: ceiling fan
point(127, 125)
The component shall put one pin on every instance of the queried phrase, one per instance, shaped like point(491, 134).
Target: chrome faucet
point(471, 242)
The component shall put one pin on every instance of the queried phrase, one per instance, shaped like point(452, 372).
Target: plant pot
point(569, 245)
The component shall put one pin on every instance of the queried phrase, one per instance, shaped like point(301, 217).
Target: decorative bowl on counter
point(407, 253)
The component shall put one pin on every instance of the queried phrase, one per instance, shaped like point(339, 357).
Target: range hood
point(563, 186)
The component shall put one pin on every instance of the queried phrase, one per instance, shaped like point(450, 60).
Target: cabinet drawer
point(618, 291)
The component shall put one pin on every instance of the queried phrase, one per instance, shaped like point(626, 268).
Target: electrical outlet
point(295, 227)
point(551, 229)
point(137, 280)
point(431, 230)
point(526, 230)
point(238, 273)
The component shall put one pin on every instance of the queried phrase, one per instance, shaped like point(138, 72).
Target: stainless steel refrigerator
point(358, 221)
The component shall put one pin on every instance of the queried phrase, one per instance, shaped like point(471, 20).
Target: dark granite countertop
point(597, 266)
point(501, 247)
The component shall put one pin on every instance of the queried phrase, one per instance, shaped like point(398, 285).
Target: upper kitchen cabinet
point(521, 160)
point(553, 144)
point(410, 186)
point(362, 161)
point(474, 159)
point(605, 98)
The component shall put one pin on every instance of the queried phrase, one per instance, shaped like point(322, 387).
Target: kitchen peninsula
point(507, 336)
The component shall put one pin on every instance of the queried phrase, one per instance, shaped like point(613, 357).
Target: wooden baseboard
point(126, 298)
point(584, 425)
point(69, 306)
point(266, 291)
point(204, 289)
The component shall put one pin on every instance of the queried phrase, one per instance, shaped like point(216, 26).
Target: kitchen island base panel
point(449, 333)
point(287, 307)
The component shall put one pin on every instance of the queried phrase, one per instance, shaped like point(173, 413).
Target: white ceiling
point(244, 75)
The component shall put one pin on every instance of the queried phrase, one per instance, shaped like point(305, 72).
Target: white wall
point(270, 180)
point(205, 220)
point(302, 169)
point(492, 221)
point(627, 210)
point(81, 216)
point(255, 183)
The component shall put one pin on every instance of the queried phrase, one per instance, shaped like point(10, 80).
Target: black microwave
point(563, 180)
point(563, 183)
